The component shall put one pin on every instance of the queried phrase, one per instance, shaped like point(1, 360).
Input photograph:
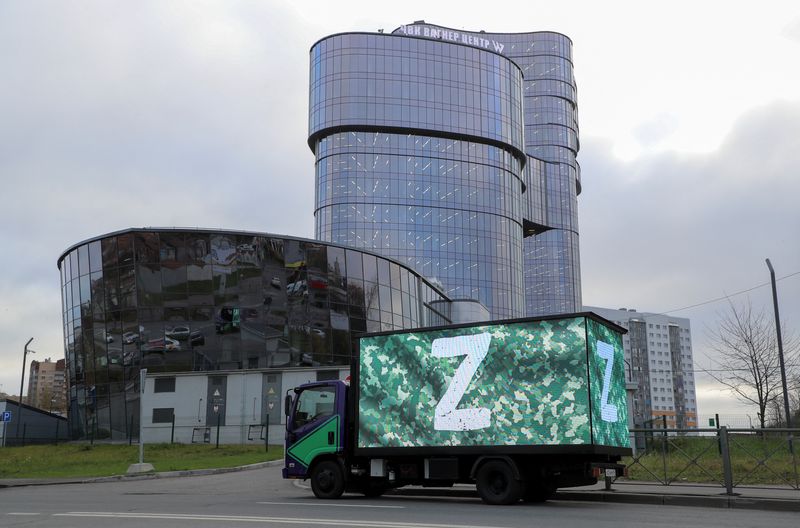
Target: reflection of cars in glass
point(297, 289)
point(197, 338)
point(167, 344)
point(181, 333)
point(275, 282)
point(130, 337)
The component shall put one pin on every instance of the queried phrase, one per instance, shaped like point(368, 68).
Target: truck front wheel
point(496, 483)
point(327, 480)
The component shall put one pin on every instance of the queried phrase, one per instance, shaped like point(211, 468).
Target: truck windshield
point(313, 404)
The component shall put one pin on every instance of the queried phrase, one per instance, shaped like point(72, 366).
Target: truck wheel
point(496, 483)
point(327, 480)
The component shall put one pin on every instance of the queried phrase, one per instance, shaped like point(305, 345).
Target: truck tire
point(496, 483)
point(327, 480)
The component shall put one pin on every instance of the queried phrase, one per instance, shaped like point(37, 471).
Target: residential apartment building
point(47, 386)
point(658, 355)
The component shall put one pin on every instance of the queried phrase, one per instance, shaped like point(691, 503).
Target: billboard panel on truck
point(509, 384)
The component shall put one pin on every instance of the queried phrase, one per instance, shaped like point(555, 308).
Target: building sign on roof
point(470, 39)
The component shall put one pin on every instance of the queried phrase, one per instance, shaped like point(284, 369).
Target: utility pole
point(780, 346)
point(22, 383)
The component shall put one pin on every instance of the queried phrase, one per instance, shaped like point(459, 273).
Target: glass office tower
point(453, 152)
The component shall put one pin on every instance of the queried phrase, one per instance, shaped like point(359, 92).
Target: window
point(164, 385)
point(163, 415)
point(314, 403)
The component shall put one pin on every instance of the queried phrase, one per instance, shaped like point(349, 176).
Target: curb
point(146, 476)
point(705, 501)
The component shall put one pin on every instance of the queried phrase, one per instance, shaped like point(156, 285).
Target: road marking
point(266, 520)
point(22, 513)
point(333, 505)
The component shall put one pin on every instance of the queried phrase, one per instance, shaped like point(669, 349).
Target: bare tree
point(748, 362)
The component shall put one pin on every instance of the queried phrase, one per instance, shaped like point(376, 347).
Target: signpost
point(5, 418)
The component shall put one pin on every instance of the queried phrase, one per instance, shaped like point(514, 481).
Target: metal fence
point(725, 457)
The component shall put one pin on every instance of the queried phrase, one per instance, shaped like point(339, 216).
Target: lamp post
point(22, 382)
point(780, 345)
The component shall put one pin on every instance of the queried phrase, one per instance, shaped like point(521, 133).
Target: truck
point(519, 408)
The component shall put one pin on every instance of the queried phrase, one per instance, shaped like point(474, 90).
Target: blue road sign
point(6, 416)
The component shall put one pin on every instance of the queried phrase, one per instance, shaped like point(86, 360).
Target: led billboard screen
point(522, 383)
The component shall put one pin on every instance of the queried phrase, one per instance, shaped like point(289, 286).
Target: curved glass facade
point(419, 156)
point(362, 80)
point(552, 175)
point(203, 300)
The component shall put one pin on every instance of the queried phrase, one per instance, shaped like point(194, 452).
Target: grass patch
point(755, 460)
point(101, 460)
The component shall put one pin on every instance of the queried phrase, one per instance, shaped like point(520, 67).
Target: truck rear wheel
point(496, 483)
point(327, 480)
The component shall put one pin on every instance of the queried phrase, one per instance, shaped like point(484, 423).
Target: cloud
point(146, 114)
point(679, 221)
point(656, 129)
point(792, 30)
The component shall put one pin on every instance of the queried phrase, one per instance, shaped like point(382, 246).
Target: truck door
point(314, 426)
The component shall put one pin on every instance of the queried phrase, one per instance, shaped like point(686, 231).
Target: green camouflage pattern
point(533, 380)
point(605, 432)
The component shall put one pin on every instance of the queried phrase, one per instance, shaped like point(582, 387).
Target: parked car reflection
point(166, 344)
point(181, 333)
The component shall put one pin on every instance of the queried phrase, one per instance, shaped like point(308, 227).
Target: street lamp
point(22, 383)
point(780, 346)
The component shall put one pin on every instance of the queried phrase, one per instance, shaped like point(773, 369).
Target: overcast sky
point(162, 113)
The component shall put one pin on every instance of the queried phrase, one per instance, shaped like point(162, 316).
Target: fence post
point(219, 417)
point(130, 432)
point(24, 432)
point(664, 449)
point(726, 459)
point(172, 435)
point(57, 424)
point(266, 438)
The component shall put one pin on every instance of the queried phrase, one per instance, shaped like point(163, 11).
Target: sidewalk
point(778, 498)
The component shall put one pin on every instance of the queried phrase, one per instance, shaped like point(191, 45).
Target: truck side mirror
point(287, 405)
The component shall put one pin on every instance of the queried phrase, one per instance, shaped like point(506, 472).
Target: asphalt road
point(261, 497)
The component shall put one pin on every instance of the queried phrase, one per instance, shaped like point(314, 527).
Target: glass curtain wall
point(177, 301)
point(419, 149)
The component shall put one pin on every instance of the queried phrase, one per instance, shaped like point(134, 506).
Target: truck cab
point(315, 434)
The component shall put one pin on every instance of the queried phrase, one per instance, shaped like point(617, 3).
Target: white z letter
point(608, 411)
point(447, 417)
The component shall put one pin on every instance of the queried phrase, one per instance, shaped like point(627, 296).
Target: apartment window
point(163, 415)
point(164, 385)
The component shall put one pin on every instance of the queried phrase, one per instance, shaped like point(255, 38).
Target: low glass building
point(181, 300)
